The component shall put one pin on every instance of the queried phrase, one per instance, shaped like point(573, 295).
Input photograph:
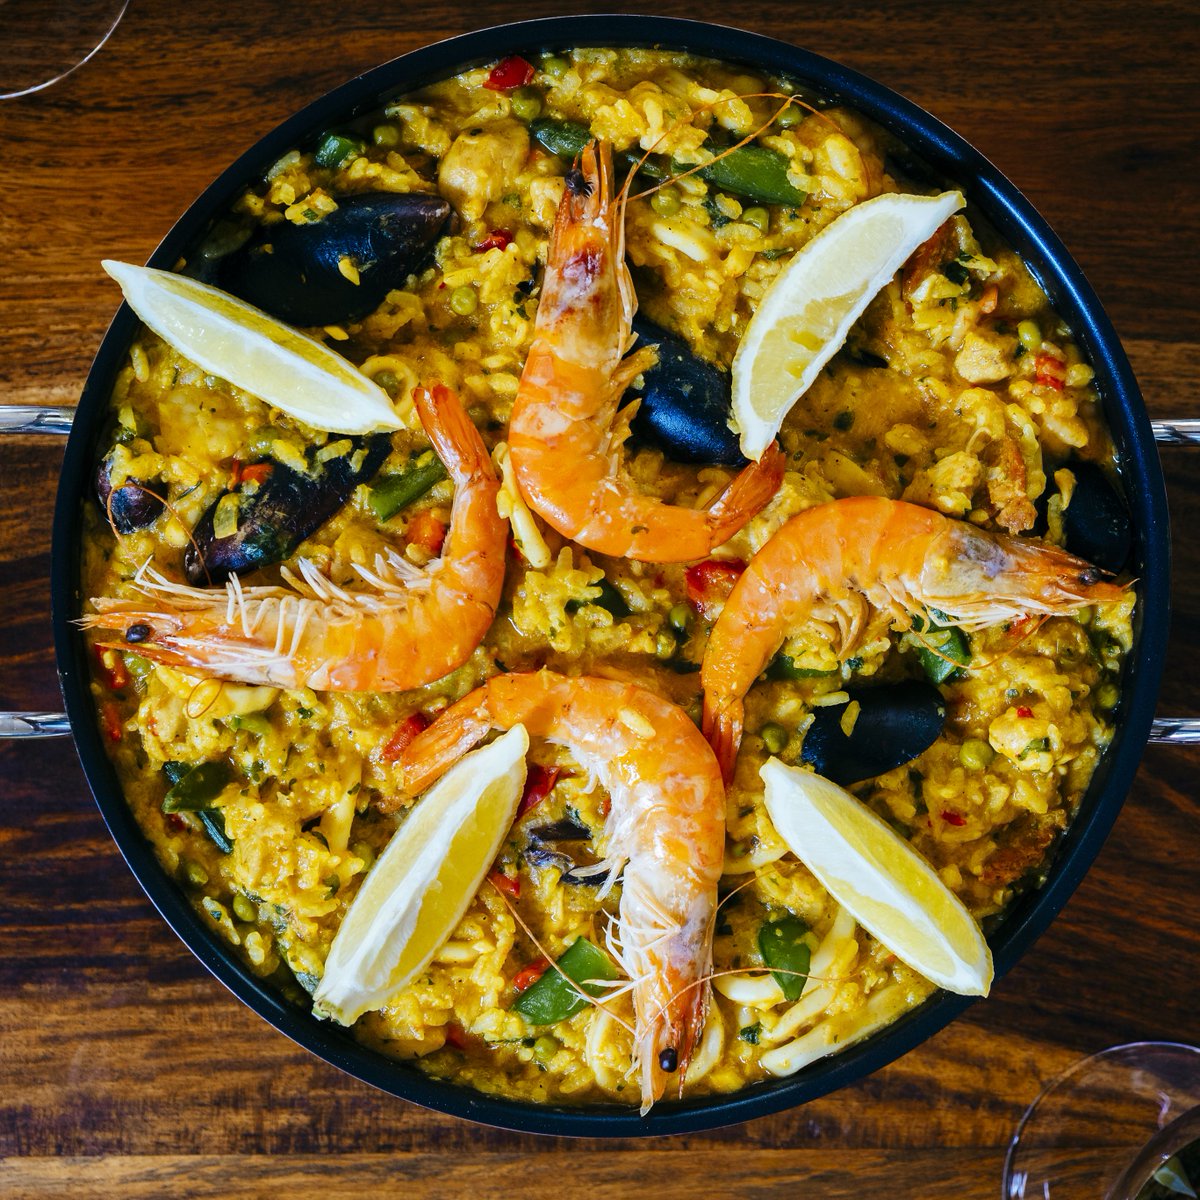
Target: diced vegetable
point(509, 73)
point(198, 788)
point(710, 582)
point(526, 103)
point(774, 737)
point(510, 885)
point(408, 729)
point(564, 138)
point(394, 492)
point(539, 783)
point(783, 667)
point(756, 173)
point(552, 999)
point(941, 649)
point(530, 974)
point(214, 826)
point(335, 148)
point(610, 598)
point(784, 949)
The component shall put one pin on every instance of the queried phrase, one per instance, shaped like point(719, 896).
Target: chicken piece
point(985, 357)
point(482, 165)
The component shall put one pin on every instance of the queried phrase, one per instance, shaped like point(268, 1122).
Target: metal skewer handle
point(36, 418)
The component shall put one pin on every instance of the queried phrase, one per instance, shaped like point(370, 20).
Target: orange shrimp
point(666, 827)
point(561, 436)
point(403, 629)
point(828, 562)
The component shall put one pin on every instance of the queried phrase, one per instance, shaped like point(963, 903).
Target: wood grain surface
point(127, 1071)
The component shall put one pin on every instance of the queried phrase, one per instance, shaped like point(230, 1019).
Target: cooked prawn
point(402, 629)
point(561, 436)
point(666, 828)
point(828, 562)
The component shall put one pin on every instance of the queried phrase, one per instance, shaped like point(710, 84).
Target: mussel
point(1096, 522)
point(276, 513)
point(131, 506)
point(685, 403)
point(896, 722)
point(305, 274)
point(540, 855)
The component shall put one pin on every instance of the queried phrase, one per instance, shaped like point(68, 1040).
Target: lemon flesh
point(418, 891)
point(809, 309)
point(878, 878)
point(255, 352)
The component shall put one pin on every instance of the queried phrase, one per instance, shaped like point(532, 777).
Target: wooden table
point(127, 1070)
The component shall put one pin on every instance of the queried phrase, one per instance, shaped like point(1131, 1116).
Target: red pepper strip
point(235, 473)
point(111, 720)
point(498, 239)
point(989, 299)
point(510, 885)
point(427, 530)
point(528, 976)
point(405, 732)
point(710, 582)
point(456, 1037)
point(953, 818)
point(1024, 712)
point(539, 783)
point(926, 259)
point(509, 73)
point(1050, 371)
point(257, 472)
point(112, 666)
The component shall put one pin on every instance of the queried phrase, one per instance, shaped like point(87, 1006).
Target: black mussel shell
point(280, 513)
point(566, 829)
point(292, 271)
point(896, 722)
point(685, 403)
point(1096, 522)
point(131, 507)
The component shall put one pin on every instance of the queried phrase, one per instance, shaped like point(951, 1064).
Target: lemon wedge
point(423, 882)
point(255, 352)
point(878, 878)
point(807, 312)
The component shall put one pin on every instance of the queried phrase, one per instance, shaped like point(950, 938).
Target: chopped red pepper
point(926, 259)
point(710, 582)
point(427, 530)
point(405, 732)
point(989, 299)
point(235, 473)
point(527, 976)
point(176, 822)
point(498, 239)
point(112, 667)
point(1024, 712)
point(509, 73)
point(510, 885)
point(110, 718)
point(257, 472)
point(456, 1037)
point(953, 818)
point(539, 783)
point(1050, 371)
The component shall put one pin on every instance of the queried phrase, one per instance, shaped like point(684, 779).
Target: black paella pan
point(946, 156)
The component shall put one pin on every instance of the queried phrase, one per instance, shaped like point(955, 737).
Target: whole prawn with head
point(829, 561)
point(665, 828)
point(561, 436)
point(401, 628)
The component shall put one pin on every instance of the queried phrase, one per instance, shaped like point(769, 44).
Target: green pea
point(463, 300)
point(545, 1048)
point(365, 852)
point(261, 442)
point(758, 217)
point(1029, 334)
point(1084, 616)
point(193, 872)
point(244, 909)
point(680, 618)
point(664, 645)
point(666, 202)
point(1108, 695)
point(526, 103)
point(775, 737)
point(790, 117)
point(387, 136)
point(388, 381)
point(975, 754)
point(555, 64)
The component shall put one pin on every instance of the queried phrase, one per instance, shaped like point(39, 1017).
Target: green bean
point(941, 649)
point(334, 149)
point(755, 173)
point(782, 667)
point(197, 788)
point(394, 492)
point(214, 825)
point(564, 138)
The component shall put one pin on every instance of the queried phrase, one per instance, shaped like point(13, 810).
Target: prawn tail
point(436, 749)
point(455, 438)
point(749, 492)
point(722, 726)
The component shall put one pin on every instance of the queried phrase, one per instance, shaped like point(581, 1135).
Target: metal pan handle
point(32, 418)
